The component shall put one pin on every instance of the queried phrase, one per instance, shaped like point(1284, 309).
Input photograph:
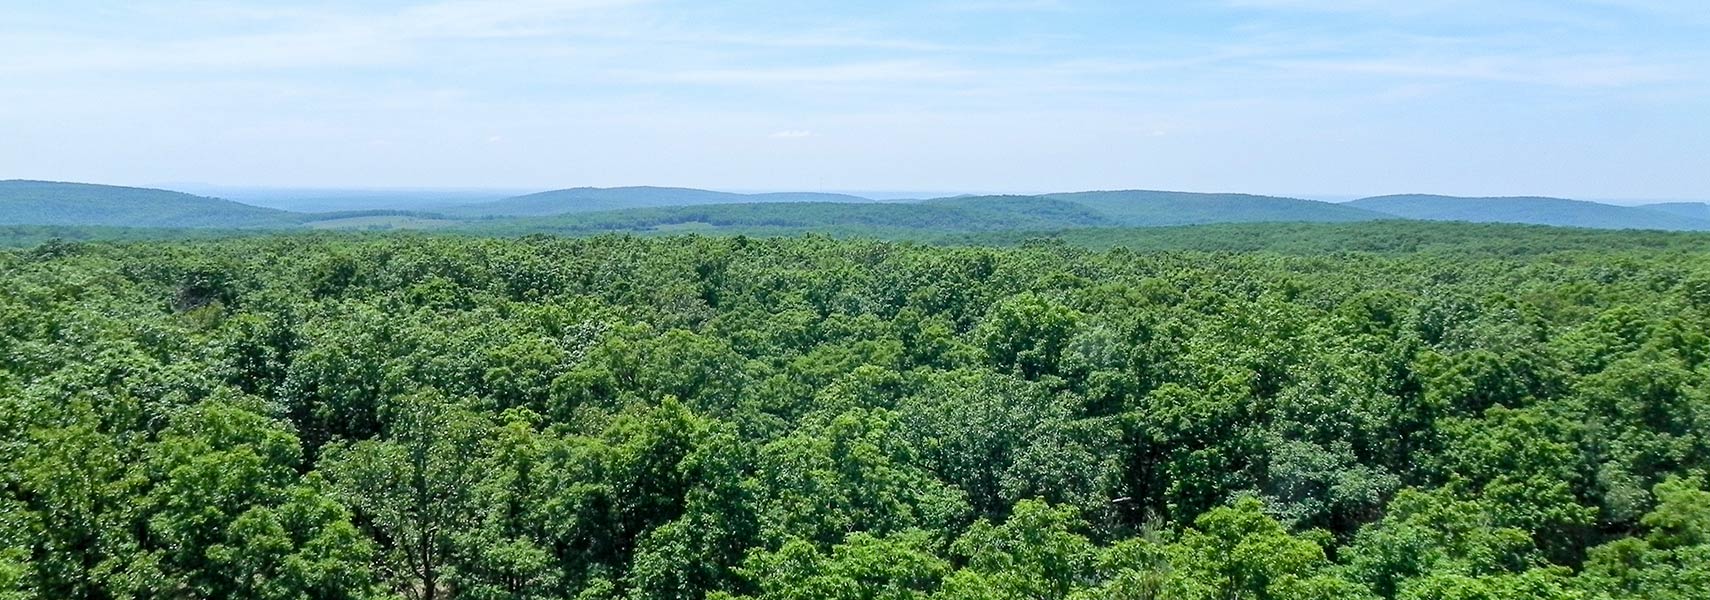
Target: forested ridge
point(794, 418)
point(85, 211)
point(24, 202)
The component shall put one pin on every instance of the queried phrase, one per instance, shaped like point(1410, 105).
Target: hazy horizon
point(345, 198)
point(202, 188)
point(1590, 99)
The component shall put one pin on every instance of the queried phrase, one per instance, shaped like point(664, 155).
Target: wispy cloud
point(957, 86)
point(298, 38)
point(1356, 6)
point(995, 6)
point(1573, 14)
point(915, 71)
point(61, 55)
point(1562, 71)
point(490, 19)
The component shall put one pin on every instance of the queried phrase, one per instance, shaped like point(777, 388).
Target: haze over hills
point(960, 215)
point(342, 199)
point(589, 199)
point(1528, 209)
point(964, 214)
point(1154, 208)
point(644, 209)
point(1691, 210)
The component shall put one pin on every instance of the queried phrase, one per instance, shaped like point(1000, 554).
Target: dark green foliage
point(1361, 410)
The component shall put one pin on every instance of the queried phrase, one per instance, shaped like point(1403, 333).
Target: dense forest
point(739, 418)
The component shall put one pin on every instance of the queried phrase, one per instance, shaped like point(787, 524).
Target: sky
point(1597, 99)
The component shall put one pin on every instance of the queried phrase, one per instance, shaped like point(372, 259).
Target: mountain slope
point(338, 199)
point(1155, 208)
point(587, 199)
point(24, 202)
point(1690, 210)
point(1533, 210)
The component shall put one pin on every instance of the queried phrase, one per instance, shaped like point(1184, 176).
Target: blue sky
point(1582, 98)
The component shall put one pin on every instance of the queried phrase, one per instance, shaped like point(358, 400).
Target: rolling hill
point(654, 209)
point(1145, 208)
point(1530, 210)
point(959, 214)
point(1691, 210)
point(1389, 237)
point(316, 200)
point(588, 199)
point(962, 214)
point(24, 202)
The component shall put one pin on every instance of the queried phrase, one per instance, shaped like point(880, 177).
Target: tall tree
point(414, 487)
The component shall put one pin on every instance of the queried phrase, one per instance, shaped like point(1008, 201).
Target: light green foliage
point(304, 547)
point(999, 440)
point(15, 566)
point(1028, 334)
point(1239, 552)
point(1035, 553)
point(862, 567)
point(1554, 583)
point(218, 469)
point(1436, 532)
point(1672, 560)
point(852, 473)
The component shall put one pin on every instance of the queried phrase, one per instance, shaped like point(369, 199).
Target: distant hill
point(1144, 208)
point(659, 209)
point(588, 199)
point(336, 199)
point(1531, 210)
point(962, 214)
point(1024, 212)
point(25, 202)
point(1391, 237)
point(1690, 210)
point(958, 214)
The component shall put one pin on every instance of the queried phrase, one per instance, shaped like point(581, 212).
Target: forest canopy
point(791, 418)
